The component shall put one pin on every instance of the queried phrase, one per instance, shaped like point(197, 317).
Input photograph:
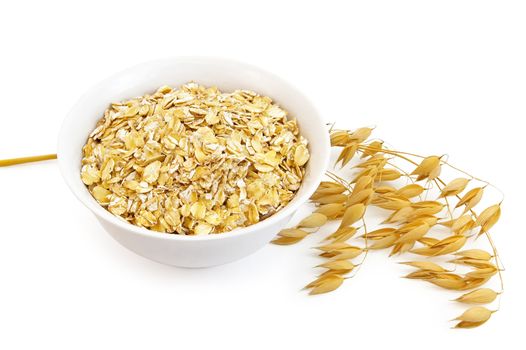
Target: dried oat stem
point(487, 234)
point(396, 153)
point(413, 213)
point(366, 249)
point(339, 179)
point(22, 160)
point(498, 260)
point(400, 154)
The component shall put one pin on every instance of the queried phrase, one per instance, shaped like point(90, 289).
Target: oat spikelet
point(415, 234)
point(326, 284)
point(331, 210)
point(478, 296)
point(463, 224)
point(293, 233)
point(314, 220)
point(347, 154)
point(338, 265)
point(478, 254)
point(488, 218)
point(342, 234)
point(454, 187)
point(471, 199)
point(475, 314)
point(429, 168)
point(410, 191)
point(361, 134)
point(425, 265)
point(352, 214)
point(281, 240)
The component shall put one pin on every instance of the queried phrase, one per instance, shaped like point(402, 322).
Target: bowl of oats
point(193, 161)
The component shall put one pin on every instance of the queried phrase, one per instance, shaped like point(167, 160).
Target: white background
point(434, 77)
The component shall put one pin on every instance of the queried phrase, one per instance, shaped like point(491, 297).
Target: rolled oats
point(194, 160)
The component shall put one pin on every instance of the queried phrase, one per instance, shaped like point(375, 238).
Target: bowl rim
point(316, 175)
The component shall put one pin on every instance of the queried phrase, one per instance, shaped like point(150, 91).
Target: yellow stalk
point(22, 160)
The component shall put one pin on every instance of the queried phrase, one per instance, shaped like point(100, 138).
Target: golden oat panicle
point(412, 213)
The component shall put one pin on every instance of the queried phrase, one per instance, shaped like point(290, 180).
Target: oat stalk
point(412, 213)
point(22, 160)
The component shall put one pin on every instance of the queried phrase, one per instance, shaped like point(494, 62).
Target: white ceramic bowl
point(172, 249)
